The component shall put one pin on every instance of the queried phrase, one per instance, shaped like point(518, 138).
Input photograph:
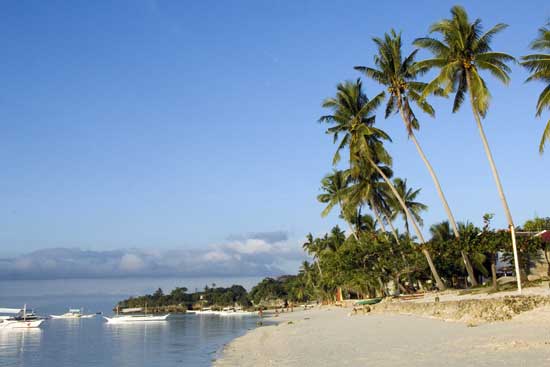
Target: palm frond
point(544, 100)
point(545, 137)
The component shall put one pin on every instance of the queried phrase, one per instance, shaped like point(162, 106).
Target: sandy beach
point(329, 336)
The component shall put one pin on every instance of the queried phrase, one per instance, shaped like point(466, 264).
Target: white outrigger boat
point(74, 313)
point(133, 317)
point(21, 319)
point(206, 311)
point(235, 311)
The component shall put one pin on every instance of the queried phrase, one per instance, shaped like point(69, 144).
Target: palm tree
point(539, 66)
point(461, 53)
point(334, 186)
point(364, 222)
point(441, 231)
point(398, 75)
point(353, 118)
point(365, 189)
point(307, 271)
point(408, 195)
point(311, 246)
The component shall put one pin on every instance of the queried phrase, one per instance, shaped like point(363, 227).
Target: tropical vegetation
point(374, 257)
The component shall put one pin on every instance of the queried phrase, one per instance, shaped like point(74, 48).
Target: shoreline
point(328, 335)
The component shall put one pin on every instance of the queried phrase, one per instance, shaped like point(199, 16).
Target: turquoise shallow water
point(186, 340)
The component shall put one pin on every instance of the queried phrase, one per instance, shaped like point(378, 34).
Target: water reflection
point(19, 345)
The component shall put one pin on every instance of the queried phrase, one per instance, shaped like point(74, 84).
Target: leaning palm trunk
point(319, 267)
point(426, 253)
point(497, 180)
point(406, 120)
point(378, 218)
point(393, 231)
point(351, 228)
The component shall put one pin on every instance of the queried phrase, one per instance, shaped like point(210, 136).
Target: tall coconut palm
point(353, 118)
point(460, 54)
point(398, 75)
point(539, 66)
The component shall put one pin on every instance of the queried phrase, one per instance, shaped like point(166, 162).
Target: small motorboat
point(74, 313)
point(22, 319)
point(133, 315)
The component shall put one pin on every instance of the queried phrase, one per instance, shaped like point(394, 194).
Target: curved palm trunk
point(378, 218)
point(465, 259)
point(497, 181)
point(352, 230)
point(319, 267)
point(426, 253)
point(393, 231)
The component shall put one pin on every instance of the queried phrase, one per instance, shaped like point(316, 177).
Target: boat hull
point(236, 313)
point(72, 317)
point(371, 301)
point(20, 324)
point(135, 319)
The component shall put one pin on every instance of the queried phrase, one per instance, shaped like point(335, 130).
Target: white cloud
point(216, 256)
point(131, 263)
point(250, 246)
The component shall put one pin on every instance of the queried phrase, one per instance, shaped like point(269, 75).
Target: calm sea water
point(186, 340)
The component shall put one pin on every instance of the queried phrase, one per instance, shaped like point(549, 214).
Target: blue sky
point(180, 124)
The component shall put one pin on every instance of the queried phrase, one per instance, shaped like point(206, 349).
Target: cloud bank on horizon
point(255, 254)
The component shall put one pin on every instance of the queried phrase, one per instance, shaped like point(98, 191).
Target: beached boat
point(21, 319)
point(74, 313)
point(132, 315)
point(370, 301)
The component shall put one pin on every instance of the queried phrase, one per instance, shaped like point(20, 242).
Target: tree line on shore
point(179, 296)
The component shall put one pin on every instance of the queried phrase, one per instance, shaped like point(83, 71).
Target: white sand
point(329, 337)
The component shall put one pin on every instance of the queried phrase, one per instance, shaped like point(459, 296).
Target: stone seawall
point(471, 311)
